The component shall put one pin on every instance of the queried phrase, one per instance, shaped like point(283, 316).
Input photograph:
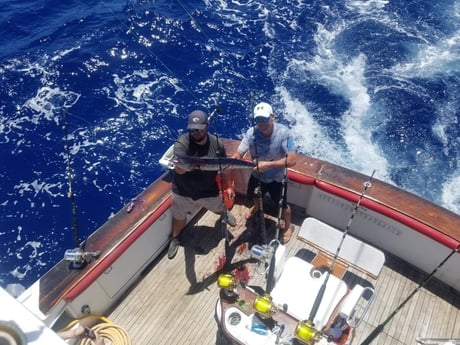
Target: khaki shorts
point(182, 205)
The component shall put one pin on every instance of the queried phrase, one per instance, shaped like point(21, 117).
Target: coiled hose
point(104, 328)
point(116, 334)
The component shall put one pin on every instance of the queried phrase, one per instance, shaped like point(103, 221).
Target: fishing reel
point(228, 283)
point(306, 333)
point(263, 254)
point(79, 258)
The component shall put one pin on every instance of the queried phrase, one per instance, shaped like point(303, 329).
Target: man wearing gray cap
point(194, 188)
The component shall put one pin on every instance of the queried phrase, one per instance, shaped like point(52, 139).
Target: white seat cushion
point(298, 290)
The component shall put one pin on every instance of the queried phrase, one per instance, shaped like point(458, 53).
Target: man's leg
point(276, 193)
point(250, 194)
point(179, 208)
point(287, 232)
point(177, 226)
point(253, 209)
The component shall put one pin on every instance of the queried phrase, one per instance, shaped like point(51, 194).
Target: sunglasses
point(260, 119)
point(195, 130)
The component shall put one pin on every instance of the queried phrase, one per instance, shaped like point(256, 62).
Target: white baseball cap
point(262, 112)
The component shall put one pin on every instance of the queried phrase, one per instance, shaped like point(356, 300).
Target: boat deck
point(174, 303)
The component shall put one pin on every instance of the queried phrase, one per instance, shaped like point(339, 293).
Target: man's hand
point(262, 166)
point(180, 167)
point(230, 192)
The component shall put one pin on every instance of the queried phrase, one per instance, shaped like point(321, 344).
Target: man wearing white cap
point(194, 188)
point(273, 148)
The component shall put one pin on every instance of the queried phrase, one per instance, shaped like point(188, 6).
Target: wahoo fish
point(211, 163)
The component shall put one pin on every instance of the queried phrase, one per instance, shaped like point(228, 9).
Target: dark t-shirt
point(197, 184)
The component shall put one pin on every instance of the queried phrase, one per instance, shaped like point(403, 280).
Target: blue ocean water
point(371, 85)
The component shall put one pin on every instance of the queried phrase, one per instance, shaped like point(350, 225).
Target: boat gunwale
point(108, 260)
point(379, 207)
point(113, 238)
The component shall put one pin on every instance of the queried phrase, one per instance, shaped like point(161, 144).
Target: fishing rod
point(275, 242)
point(322, 289)
point(262, 234)
point(77, 256)
point(217, 110)
point(380, 327)
point(69, 170)
point(282, 197)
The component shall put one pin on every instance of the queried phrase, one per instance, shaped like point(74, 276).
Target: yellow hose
point(104, 329)
point(116, 334)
